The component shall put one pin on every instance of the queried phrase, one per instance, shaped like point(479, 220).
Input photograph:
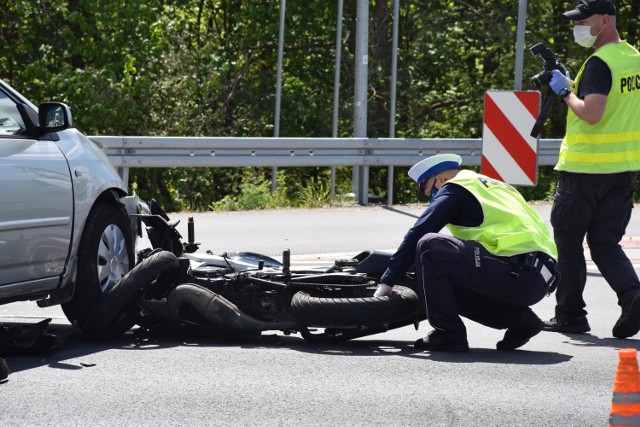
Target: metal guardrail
point(167, 152)
point(146, 152)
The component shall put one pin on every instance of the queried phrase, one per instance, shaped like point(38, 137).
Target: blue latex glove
point(559, 81)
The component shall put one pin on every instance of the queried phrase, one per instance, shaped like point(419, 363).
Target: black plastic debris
point(26, 339)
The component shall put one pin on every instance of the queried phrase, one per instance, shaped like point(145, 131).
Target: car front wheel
point(105, 255)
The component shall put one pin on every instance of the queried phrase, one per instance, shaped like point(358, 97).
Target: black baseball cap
point(587, 8)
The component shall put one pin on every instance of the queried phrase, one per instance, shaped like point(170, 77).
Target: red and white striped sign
point(509, 152)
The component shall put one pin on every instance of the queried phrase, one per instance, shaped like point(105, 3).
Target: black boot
point(575, 326)
point(4, 369)
point(439, 341)
point(521, 332)
point(629, 322)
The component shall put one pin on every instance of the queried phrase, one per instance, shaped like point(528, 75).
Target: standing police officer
point(499, 261)
point(598, 163)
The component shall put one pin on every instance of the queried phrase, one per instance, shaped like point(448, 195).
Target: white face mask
point(582, 35)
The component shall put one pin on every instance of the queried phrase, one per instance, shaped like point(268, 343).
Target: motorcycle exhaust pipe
point(219, 311)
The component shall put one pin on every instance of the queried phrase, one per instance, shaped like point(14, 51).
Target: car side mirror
point(54, 116)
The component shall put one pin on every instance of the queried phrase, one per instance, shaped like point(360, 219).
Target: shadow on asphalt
point(389, 208)
point(588, 340)
point(394, 348)
point(69, 354)
point(74, 347)
point(75, 353)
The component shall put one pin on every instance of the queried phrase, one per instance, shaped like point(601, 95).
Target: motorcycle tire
point(345, 312)
point(119, 310)
point(342, 334)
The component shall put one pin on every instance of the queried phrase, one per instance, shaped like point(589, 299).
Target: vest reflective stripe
point(622, 420)
point(510, 225)
point(613, 144)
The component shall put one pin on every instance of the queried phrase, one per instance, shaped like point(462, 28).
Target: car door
point(36, 204)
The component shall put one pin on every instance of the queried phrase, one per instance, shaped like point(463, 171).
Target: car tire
point(119, 310)
point(105, 255)
point(343, 312)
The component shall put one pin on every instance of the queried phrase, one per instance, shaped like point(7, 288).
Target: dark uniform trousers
point(461, 278)
point(598, 206)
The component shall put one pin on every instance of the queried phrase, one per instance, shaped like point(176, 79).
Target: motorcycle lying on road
point(174, 287)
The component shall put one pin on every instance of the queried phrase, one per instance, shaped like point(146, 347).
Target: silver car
point(66, 230)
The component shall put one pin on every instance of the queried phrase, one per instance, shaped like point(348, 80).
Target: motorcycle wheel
point(119, 311)
point(344, 312)
point(341, 334)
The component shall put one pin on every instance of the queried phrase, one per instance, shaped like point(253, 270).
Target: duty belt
point(539, 262)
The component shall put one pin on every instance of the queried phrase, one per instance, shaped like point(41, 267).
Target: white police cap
point(433, 165)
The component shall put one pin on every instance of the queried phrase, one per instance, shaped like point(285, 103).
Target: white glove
point(383, 290)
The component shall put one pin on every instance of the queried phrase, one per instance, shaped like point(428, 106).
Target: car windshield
point(10, 120)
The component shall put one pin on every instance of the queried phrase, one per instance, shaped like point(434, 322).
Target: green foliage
point(544, 190)
point(315, 194)
point(208, 68)
point(252, 196)
point(255, 193)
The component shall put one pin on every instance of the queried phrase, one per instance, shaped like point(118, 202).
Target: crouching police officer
point(499, 261)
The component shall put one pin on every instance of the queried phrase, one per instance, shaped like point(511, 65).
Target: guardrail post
point(360, 101)
point(336, 89)
point(392, 107)
point(124, 174)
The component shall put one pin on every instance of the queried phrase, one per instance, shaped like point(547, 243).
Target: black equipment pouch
point(525, 261)
point(539, 262)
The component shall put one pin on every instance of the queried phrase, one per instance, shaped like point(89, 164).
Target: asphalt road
point(144, 379)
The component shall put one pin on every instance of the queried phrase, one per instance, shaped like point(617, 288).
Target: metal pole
point(276, 124)
point(392, 108)
point(360, 101)
point(336, 87)
point(522, 19)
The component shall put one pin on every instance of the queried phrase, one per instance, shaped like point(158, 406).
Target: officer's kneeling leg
point(441, 265)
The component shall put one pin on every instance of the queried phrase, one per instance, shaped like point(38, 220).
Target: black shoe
point(577, 326)
point(629, 322)
point(519, 334)
point(4, 369)
point(437, 341)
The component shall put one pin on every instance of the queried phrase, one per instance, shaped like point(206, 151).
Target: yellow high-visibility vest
point(613, 144)
point(510, 226)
